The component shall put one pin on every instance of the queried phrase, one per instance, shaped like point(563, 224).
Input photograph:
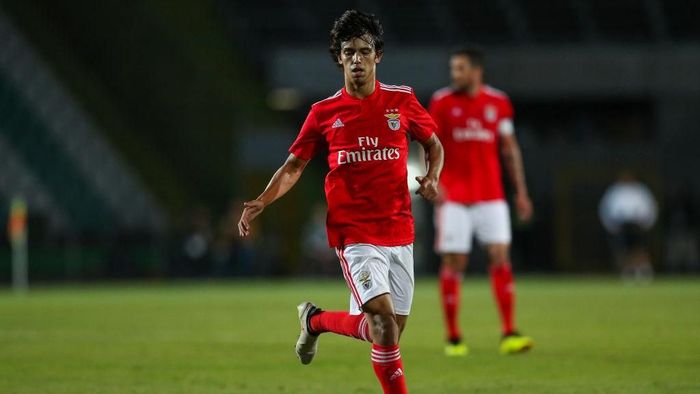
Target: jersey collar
point(371, 96)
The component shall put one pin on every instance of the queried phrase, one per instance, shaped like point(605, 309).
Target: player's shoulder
point(330, 100)
point(441, 93)
point(396, 89)
point(494, 93)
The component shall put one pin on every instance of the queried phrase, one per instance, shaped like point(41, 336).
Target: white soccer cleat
point(307, 344)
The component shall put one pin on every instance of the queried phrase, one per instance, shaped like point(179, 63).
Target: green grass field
point(592, 336)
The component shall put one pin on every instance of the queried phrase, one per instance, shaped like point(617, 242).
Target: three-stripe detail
point(396, 88)
point(383, 357)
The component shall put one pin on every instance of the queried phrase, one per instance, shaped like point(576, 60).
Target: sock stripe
point(386, 361)
point(386, 357)
point(363, 328)
point(387, 365)
point(389, 353)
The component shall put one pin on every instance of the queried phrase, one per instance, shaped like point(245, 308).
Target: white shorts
point(456, 225)
point(371, 271)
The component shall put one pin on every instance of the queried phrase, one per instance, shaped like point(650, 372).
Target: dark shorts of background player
point(632, 236)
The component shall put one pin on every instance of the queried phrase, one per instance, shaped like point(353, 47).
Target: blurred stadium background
point(135, 129)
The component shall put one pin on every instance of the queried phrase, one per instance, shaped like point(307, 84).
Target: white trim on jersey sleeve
point(505, 127)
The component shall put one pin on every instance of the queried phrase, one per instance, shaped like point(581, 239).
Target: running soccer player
point(475, 125)
point(364, 128)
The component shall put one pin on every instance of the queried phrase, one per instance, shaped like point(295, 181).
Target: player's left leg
point(493, 230)
point(386, 355)
point(388, 315)
point(502, 284)
point(503, 287)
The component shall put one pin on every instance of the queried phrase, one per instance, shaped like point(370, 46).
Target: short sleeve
point(308, 142)
point(505, 123)
point(421, 124)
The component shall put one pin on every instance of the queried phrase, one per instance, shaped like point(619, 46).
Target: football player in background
point(475, 126)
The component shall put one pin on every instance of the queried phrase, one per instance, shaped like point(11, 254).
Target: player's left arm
point(513, 161)
point(435, 157)
point(424, 130)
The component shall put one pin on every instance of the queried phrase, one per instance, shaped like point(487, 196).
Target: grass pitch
point(592, 336)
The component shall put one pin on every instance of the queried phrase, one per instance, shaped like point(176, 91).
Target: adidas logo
point(337, 123)
point(397, 374)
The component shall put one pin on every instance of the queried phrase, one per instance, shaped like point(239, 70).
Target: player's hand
point(428, 188)
point(523, 206)
point(250, 211)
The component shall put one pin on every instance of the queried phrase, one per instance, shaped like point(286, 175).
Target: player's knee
point(401, 323)
point(455, 261)
point(498, 255)
point(385, 329)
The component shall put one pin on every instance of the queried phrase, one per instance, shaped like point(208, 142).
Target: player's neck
point(474, 90)
point(360, 91)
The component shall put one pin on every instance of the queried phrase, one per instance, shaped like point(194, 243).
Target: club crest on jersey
point(392, 119)
point(490, 113)
point(366, 280)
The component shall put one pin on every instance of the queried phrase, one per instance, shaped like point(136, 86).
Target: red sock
point(504, 292)
point(450, 284)
point(388, 367)
point(342, 323)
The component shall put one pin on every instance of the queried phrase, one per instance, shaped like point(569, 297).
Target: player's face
point(359, 60)
point(462, 73)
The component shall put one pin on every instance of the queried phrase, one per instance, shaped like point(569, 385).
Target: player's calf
point(386, 355)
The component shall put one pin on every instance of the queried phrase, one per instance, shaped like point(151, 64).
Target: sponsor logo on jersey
point(370, 150)
point(366, 280)
point(393, 120)
point(456, 112)
point(490, 113)
point(473, 132)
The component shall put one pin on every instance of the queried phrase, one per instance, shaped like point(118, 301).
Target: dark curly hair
point(354, 24)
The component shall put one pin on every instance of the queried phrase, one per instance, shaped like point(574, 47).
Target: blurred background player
point(363, 129)
point(475, 124)
point(628, 211)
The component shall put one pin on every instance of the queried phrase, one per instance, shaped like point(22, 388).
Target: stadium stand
point(503, 22)
point(45, 126)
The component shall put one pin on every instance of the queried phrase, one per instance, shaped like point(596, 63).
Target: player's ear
point(378, 58)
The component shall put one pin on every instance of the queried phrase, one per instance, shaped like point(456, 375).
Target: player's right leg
point(315, 321)
point(453, 242)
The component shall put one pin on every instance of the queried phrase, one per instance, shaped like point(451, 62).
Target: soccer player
point(628, 211)
point(364, 130)
point(475, 125)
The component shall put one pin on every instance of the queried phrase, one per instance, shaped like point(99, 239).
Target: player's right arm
point(306, 145)
point(280, 183)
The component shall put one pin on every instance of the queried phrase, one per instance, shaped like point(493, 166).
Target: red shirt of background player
point(470, 128)
point(366, 141)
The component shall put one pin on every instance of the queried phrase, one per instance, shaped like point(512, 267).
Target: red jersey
point(366, 141)
point(470, 129)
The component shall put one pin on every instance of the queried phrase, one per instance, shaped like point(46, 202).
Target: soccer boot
point(307, 344)
point(456, 348)
point(515, 343)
